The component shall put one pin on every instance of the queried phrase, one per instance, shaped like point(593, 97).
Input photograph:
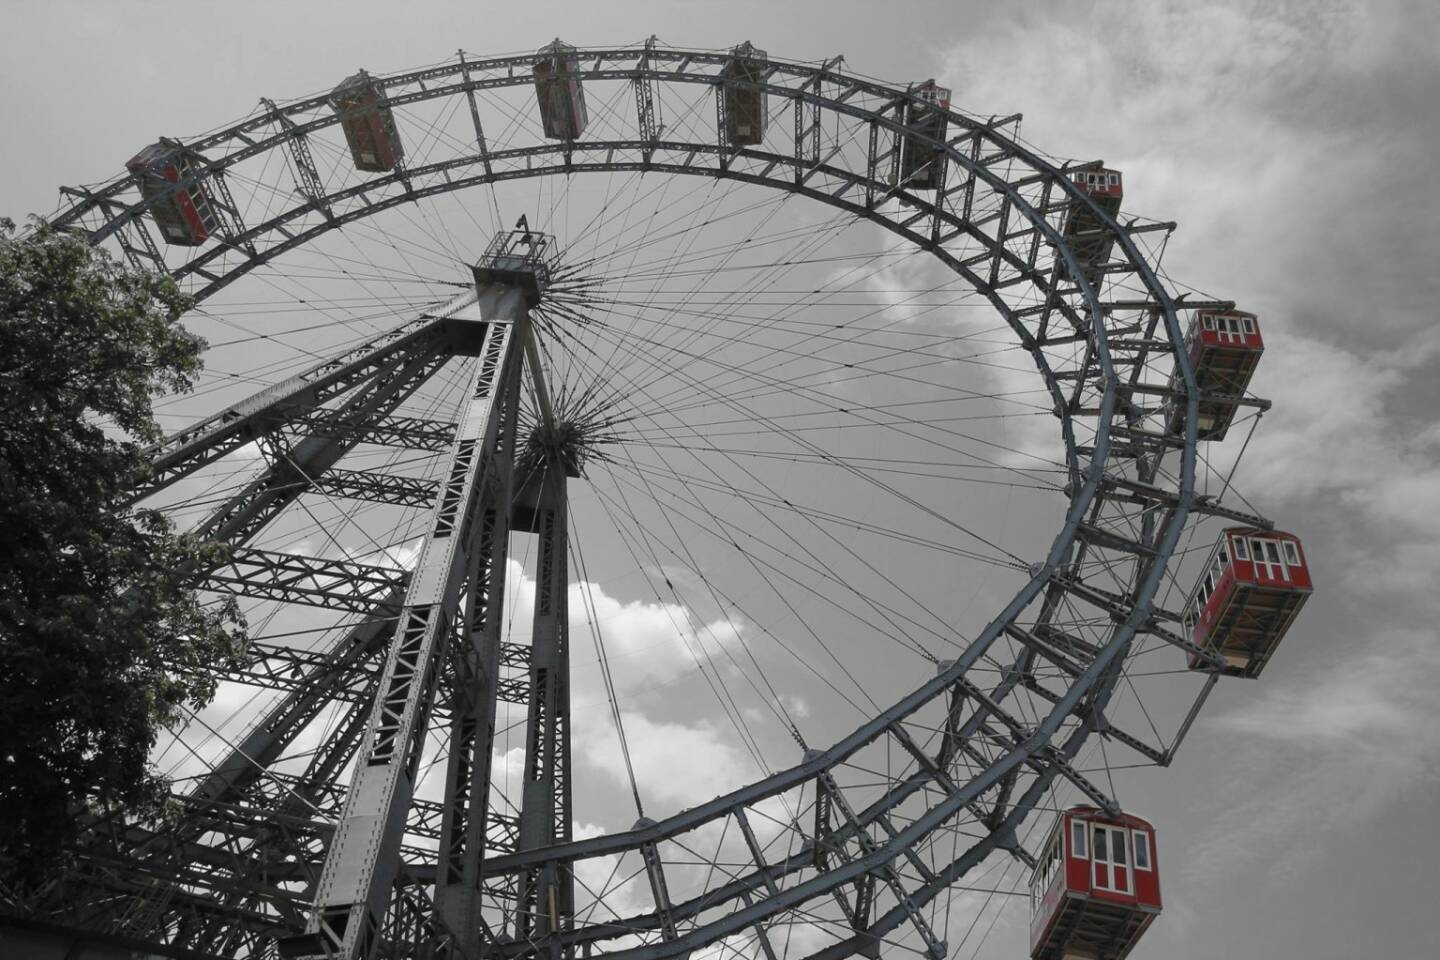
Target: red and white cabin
point(745, 102)
point(1224, 348)
point(368, 123)
point(1106, 187)
point(1254, 585)
point(918, 162)
point(185, 215)
point(1096, 887)
point(1084, 232)
point(560, 92)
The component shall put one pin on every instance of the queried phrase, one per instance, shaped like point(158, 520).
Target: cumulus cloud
point(1327, 749)
point(1293, 144)
point(654, 641)
point(677, 764)
point(1337, 447)
point(680, 756)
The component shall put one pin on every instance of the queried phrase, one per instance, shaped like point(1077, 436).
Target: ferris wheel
point(684, 501)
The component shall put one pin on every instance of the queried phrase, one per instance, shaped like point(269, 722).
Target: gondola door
point(1229, 331)
point(1270, 560)
point(1110, 860)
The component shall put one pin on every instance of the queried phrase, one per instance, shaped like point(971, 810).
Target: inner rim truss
point(1125, 512)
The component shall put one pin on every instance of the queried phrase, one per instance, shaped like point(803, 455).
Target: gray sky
point(1293, 144)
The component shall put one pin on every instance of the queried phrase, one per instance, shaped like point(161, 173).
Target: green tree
point(103, 641)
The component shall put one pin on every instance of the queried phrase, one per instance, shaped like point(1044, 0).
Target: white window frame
point(1270, 556)
point(1141, 841)
point(1242, 550)
point(1079, 832)
point(1291, 552)
point(1110, 864)
point(1207, 321)
point(1249, 324)
point(1051, 865)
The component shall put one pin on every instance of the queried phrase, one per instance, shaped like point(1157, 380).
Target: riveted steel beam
point(361, 865)
point(347, 585)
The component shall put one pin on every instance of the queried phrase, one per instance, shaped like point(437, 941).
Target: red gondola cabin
point(1096, 887)
point(560, 92)
point(745, 105)
point(1084, 232)
point(1253, 587)
point(1224, 348)
point(368, 123)
point(184, 214)
point(919, 163)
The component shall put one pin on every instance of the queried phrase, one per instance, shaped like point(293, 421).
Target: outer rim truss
point(1118, 466)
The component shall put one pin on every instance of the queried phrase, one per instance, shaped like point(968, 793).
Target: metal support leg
point(472, 730)
point(547, 893)
point(363, 859)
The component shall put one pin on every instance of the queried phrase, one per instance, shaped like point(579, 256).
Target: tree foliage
point(103, 641)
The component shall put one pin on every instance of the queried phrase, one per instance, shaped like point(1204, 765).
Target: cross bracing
point(328, 848)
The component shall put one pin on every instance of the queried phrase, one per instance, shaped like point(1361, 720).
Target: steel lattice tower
point(449, 622)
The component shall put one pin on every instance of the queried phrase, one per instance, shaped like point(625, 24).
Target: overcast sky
point(1293, 143)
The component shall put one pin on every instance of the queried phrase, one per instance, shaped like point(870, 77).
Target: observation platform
point(521, 258)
